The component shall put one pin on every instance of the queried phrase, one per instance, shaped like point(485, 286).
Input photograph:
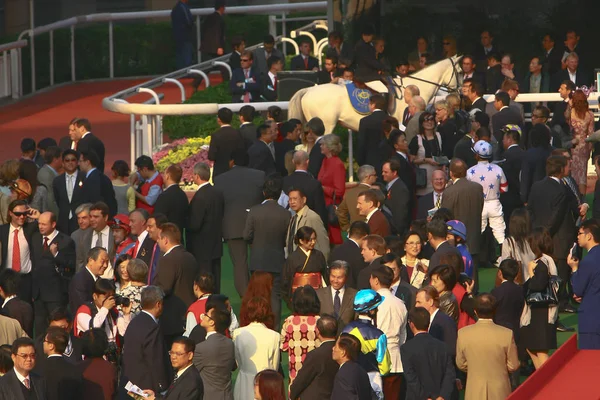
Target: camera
point(122, 301)
point(464, 279)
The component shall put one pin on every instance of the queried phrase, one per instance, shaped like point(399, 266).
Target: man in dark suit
point(406, 171)
point(224, 142)
point(493, 75)
point(33, 386)
point(53, 267)
point(177, 268)
point(505, 115)
point(367, 66)
point(509, 297)
point(63, 379)
point(86, 142)
point(428, 366)
point(400, 287)
point(99, 235)
point(552, 56)
point(442, 326)
point(486, 47)
point(351, 380)
point(213, 33)
point(398, 199)
point(60, 318)
point(68, 192)
point(316, 129)
point(471, 75)
point(173, 202)
point(214, 358)
point(241, 189)
point(144, 341)
point(573, 73)
point(82, 284)
point(182, 23)
point(238, 44)
point(263, 53)
point(436, 234)
point(337, 299)
point(13, 307)
point(262, 153)
point(373, 247)
point(290, 132)
point(144, 244)
point(370, 132)
point(96, 186)
point(434, 199)
point(350, 251)
point(304, 61)
point(315, 378)
point(558, 116)
point(474, 91)
point(269, 82)
point(552, 207)
point(246, 82)
point(204, 225)
point(247, 128)
point(266, 230)
point(513, 159)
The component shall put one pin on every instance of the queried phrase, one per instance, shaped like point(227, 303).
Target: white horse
point(330, 102)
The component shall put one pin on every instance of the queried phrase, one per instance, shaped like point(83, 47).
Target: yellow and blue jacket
point(375, 355)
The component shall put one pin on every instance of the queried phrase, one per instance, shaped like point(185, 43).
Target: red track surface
point(48, 114)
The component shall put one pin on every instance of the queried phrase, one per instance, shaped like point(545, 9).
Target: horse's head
point(451, 74)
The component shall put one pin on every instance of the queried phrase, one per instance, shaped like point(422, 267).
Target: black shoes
point(563, 328)
point(569, 309)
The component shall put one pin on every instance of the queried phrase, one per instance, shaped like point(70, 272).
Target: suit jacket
point(581, 78)
point(428, 368)
point(11, 387)
point(260, 60)
point(406, 292)
point(145, 250)
point(512, 170)
point(424, 204)
point(478, 77)
point(261, 158)
point(370, 134)
point(510, 300)
point(22, 312)
point(508, 115)
point(80, 289)
point(315, 159)
point(493, 79)
point(350, 252)
point(346, 211)
point(253, 86)
point(365, 274)
point(346, 314)
point(407, 175)
point(63, 379)
point(48, 284)
point(214, 359)
point(297, 63)
point(234, 60)
point(28, 230)
point(465, 200)
point(487, 352)
point(204, 228)
point(249, 133)
point(310, 218)
point(173, 203)
point(480, 56)
point(268, 89)
point(85, 244)
point(351, 383)
point(398, 201)
point(312, 188)
point(379, 224)
point(443, 248)
point(552, 63)
point(443, 328)
point(213, 34)
point(315, 379)
point(480, 104)
point(525, 85)
point(222, 145)
point(266, 229)
point(412, 127)
point(188, 386)
point(464, 151)
point(66, 207)
point(533, 169)
point(242, 189)
point(366, 63)
point(99, 379)
point(46, 177)
point(551, 207)
point(92, 143)
point(281, 149)
point(145, 360)
point(73, 357)
point(97, 187)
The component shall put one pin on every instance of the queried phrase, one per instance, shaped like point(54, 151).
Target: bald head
point(438, 180)
point(47, 223)
point(300, 160)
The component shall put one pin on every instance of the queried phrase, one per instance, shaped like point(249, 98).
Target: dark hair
point(327, 326)
point(79, 122)
point(455, 261)
point(591, 226)
point(378, 101)
point(443, 214)
point(540, 242)
point(514, 135)
point(159, 219)
point(503, 97)
point(376, 243)
point(188, 344)
point(304, 233)
point(222, 318)
point(371, 196)
point(384, 275)
point(70, 152)
point(58, 314)
point(28, 170)
point(544, 110)
point(121, 168)
point(394, 165)
point(477, 88)
point(395, 134)
point(395, 244)
point(52, 153)
point(46, 143)
point(273, 60)
point(58, 337)
point(9, 281)
point(21, 342)
point(359, 229)
point(316, 125)
point(555, 165)
point(95, 252)
point(236, 41)
point(102, 207)
point(287, 127)
point(458, 168)
point(350, 345)
point(509, 269)
point(569, 84)
point(175, 172)
point(120, 260)
point(305, 301)
point(225, 115)
point(216, 300)
point(437, 228)
point(268, 39)
point(431, 293)
point(6, 362)
point(92, 157)
point(484, 133)
point(272, 188)
point(219, 4)
point(335, 35)
point(27, 145)
point(485, 305)
point(263, 130)
point(422, 117)
point(446, 274)
point(519, 227)
point(205, 281)
point(420, 318)
point(240, 157)
point(94, 343)
point(104, 286)
point(270, 385)
point(388, 123)
point(144, 162)
point(275, 113)
point(170, 231)
point(247, 112)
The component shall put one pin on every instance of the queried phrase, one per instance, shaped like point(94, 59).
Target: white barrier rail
point(10, 69)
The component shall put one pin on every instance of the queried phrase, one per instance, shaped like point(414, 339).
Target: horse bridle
point(448, 88)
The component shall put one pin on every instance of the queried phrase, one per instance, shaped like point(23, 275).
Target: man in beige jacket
point(347, 212)
point(487, 352)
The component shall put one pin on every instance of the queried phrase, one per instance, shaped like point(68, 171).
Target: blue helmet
point(367, 300)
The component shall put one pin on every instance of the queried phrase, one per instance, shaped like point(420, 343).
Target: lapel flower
point(80, 184)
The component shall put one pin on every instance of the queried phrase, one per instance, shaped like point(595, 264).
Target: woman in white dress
point(256, 347)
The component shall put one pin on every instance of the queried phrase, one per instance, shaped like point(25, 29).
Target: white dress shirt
point(23, 250)
point(369, 215)
point(9, 298)
point(391, 319)
point(119, 326)
point(342, 291)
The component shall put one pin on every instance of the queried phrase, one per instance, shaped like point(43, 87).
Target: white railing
point(10, 69)
point(110, 18)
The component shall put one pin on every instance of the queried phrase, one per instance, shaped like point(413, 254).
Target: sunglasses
point(430, 118)
point(21, 213)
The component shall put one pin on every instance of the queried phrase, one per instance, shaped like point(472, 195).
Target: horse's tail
point(295, 106)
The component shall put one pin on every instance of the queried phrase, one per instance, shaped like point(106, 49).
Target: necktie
point(336, 304)
point(272, 149)
point(70, 187)
point(153, 263)
point(26, 383)
point(275, 84)
point(46, 248)
point(16, 256)
point(99, 240)
point(292, 234)
point(305, 62)
point(246, 94)
point(438, 201)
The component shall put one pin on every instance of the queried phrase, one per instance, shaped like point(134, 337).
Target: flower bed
point(186, 153)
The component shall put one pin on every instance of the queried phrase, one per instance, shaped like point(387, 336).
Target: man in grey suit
point(214, 358)
point(415, 108)
point(338, 299)
point(99, 236)
point(242, 189)
point(262, 54)
point(465, 200)
point(48, 172)
point(266, 229)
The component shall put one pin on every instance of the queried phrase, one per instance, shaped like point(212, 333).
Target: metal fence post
point(51, 58)
point(32, 45)
point(284, 33)
point(111, 50)
point(330, 15)
point(350, 157)
point(272, 26)
point(198, 38)
point(73, 53)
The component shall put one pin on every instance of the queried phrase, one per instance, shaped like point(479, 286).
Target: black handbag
point(547, 297)
point(420, 177)
point(331, 213)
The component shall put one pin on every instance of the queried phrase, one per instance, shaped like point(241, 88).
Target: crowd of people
point(112, 288)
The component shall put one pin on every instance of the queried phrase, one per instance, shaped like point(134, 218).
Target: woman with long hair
point(538, 322)
point(581, 121)
point(260, 285)
point(124, 193)
point(424, 146)
point(256, 346)
point(516, 245)
point(444, 115)
point(268, 385)
point(332, 176)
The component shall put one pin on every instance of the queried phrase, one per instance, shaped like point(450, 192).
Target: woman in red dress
point(332, 176)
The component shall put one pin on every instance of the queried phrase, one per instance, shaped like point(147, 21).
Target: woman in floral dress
point(581, 121)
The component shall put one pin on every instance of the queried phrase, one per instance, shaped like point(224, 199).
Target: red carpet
point(568, 374)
